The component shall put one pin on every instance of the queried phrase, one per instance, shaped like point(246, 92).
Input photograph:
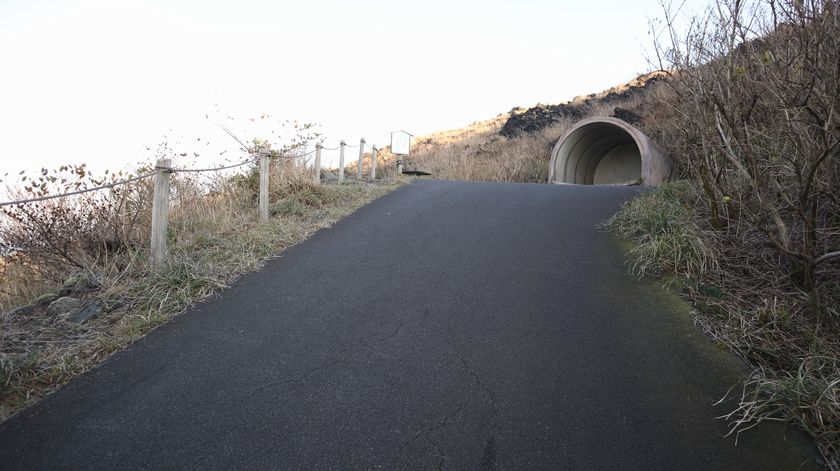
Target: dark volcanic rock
point(542, 116)
point(539, 117)
point(47, 298)
point(82, 316)
point(627, 115)
point(63, 306)
point(630, 92)
point(25, 310)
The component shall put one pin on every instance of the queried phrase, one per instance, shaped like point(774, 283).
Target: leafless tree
point(757, 94)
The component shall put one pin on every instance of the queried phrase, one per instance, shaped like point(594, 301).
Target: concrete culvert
point(607, 151)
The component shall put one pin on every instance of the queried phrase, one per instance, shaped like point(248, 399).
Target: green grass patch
point(666, 238)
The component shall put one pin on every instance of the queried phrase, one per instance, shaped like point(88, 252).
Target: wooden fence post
point(341, 162)
point(373, 163)
point(265, 154)
point(317, 164)
point(361, 156)
point(160, 212)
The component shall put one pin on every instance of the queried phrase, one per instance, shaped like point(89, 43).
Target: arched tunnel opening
point(607, 151)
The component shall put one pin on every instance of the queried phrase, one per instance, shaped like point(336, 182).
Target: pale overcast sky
point(98, 81)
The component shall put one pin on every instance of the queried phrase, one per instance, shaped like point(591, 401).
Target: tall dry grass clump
point(484, 155)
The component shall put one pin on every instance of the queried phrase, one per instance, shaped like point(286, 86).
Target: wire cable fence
point(77, 192)
point(151, 174)
point(163, 171)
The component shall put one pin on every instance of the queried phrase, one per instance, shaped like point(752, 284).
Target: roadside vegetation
point(74, 279)
point(744, 298)
point(753, 235)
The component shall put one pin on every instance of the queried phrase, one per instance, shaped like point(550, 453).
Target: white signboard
point(400, 142)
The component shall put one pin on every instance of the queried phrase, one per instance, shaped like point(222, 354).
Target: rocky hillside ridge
point(516, 146)
point(541, 116)
point(520, 120)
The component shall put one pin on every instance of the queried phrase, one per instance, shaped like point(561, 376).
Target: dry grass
point(479, 153)
point(214, 237)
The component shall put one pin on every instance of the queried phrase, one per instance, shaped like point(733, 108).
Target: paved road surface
point(446, 325)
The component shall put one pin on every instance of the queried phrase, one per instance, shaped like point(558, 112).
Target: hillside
point(516, 145)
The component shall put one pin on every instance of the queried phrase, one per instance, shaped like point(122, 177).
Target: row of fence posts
point(160, 201)
point(342, 146)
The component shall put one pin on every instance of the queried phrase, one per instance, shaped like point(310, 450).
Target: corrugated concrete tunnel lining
point(601, 153)
point(604, 151)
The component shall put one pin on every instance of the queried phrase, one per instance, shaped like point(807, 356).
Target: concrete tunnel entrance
point(607, 151)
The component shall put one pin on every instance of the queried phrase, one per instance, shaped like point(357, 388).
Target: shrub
point(754, 93)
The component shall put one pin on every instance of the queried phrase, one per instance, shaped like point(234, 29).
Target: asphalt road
point(446, 325)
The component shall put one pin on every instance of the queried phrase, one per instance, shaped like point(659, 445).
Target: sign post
point(400, 146)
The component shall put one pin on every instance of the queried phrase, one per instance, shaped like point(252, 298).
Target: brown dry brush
point(55, 237)
point(756, 96)
point(751, 118)
point(480, 153)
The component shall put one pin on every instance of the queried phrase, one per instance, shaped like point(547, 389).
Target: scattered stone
point(112, 304)
point(63, 306)
point(47, 298)
point(79, 282)
point(24, 311)
point(82, 316)
point(74, 281)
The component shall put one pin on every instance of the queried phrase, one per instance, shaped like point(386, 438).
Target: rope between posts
point(78, 192)
point(306, 154)
point(171, 170)
point(122, 182)
point(198, 170)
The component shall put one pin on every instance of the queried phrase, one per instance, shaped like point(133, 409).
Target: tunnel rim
point(637, 136)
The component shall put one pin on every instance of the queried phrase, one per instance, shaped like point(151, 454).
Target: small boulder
point(47, 298)
point(24, 311)
point(79, 282)
point(80, 317)
point(63, 306)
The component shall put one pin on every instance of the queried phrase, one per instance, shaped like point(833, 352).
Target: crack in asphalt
point(429, 430)
point(488, 459)
point(439, 451)
point(368, 345)
point(491, 394)
point(490, 452)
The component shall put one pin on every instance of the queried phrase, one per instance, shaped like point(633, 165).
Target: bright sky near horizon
point(99, 81)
